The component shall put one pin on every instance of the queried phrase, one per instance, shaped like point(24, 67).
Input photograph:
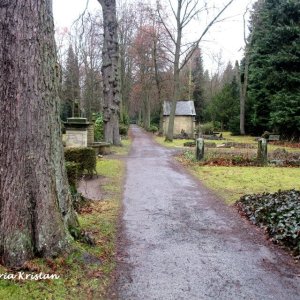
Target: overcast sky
point(225, 37)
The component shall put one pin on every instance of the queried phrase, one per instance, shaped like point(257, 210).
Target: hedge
point(84, 157)
point(73, 172)
point(123, 129)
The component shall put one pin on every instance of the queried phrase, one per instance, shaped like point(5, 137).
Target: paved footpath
point(184, 243)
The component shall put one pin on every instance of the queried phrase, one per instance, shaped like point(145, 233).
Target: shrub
point(217, 126)
point(99, 128)
point(123, 129)
point(266, 135)
point(73, 172)
point(126, 119)
point(85, 157)
point(190, 144)
point(206, 128)
point(234, 125)
point(153, 128)
point(279, 213)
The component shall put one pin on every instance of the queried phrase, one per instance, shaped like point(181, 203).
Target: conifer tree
point(274, 71)
point(71, 87)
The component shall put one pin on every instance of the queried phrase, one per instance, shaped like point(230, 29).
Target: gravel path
point(184, 243)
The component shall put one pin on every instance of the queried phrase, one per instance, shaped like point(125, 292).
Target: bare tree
point(35, 202)
point(90, 42)
point(185, 12)
point(243, 83)
point(110, 72)
point(126, 27)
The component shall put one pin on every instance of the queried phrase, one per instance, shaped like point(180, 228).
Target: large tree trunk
point(35, 203)
point(110, 73)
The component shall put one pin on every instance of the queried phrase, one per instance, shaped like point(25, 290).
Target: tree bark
point(35, 203)
point(110, 72)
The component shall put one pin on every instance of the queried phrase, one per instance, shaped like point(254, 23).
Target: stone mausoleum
point(184, 118)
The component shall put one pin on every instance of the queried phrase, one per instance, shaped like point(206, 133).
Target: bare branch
point(188, 16)
point(165, 26)
point(169, 49)
point(83, 13)
point(196, 43)
point(244, 22)
point(172, 8)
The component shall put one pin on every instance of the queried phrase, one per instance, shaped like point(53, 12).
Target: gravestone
point(274, 137)
point(262, 152)
point(199, 149)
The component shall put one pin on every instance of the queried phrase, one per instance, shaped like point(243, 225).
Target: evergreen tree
point(274, 71)
point(71, 87)
point(224, 107)
point(198, 81)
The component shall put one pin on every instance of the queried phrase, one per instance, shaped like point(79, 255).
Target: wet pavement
point(182, 242)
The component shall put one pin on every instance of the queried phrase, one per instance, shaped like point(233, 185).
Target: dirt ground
point(177, 240)
point(90, 188)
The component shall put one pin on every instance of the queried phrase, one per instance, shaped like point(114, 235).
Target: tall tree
point(92, 93)
point(127, 25)
point(183, 14)
point(243, 75)
point(89, 40)
point(71, 87)
point(199, 83)
point(35, 203)
point(274, 69)
point(110, 72)
point(224, 106)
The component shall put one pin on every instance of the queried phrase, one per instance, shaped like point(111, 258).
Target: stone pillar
point(76, 132)
point(90, 134)
point(262, 152)
point(199, 148)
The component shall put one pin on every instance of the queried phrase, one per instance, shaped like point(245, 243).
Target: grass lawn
point(124, 149)
point(80, 276)
point(177, 143)
point(233, 182)
point(226, 135)
point(246, 139)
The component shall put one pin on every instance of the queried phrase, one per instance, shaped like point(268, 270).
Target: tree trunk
point(243, 91)
point(110, 73)
point(176, 79)
point(147, 110)
point(35, 203)
point(244, 94)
